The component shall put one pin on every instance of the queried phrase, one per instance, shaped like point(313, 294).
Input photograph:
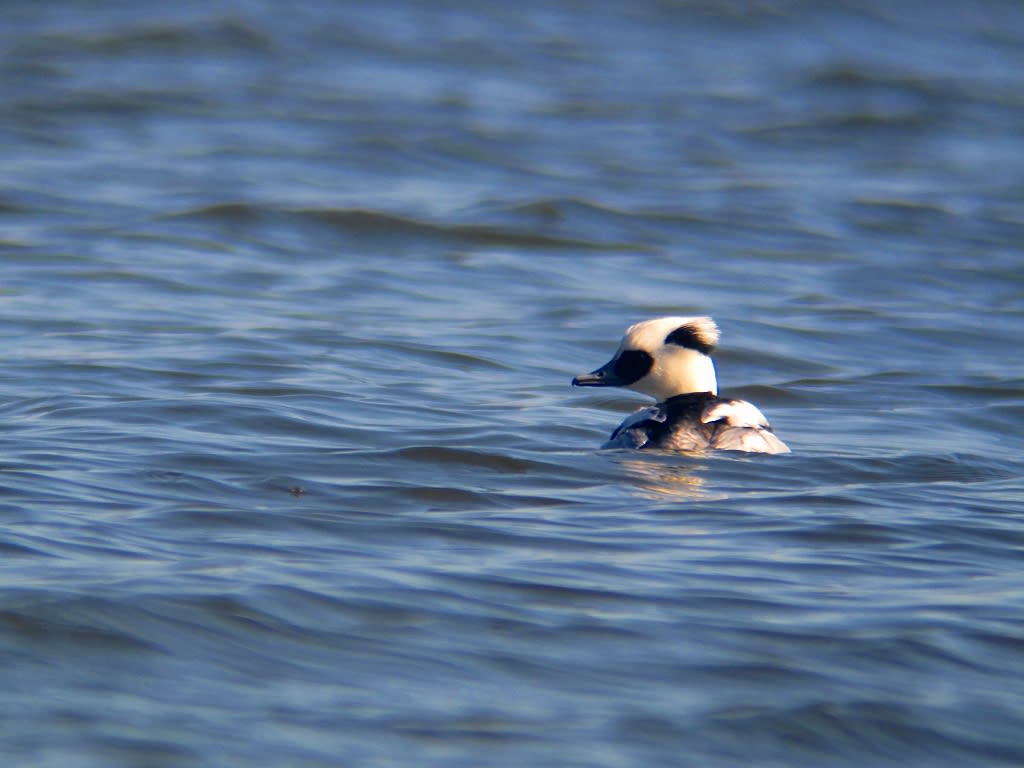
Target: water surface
point(292, 473)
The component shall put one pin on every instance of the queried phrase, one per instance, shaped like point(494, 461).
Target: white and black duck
point(669, 359)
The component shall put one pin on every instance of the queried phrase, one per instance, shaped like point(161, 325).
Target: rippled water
point(292, 473)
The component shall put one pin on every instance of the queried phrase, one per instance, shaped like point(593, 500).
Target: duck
point(669, 359)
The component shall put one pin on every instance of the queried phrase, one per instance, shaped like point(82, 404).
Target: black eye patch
point(632, 365)
point(685, 336)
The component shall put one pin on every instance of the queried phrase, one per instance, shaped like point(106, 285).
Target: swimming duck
point(669, 359)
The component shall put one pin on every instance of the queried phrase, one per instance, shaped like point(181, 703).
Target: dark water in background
point(290, 298)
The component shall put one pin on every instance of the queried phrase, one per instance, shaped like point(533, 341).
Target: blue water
point(291, 469)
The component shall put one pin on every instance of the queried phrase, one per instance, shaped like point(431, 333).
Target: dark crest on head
point(690, 337)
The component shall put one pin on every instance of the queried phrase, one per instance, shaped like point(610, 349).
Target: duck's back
point(698, 422)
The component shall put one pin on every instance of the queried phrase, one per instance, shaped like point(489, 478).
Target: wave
point(371, 223)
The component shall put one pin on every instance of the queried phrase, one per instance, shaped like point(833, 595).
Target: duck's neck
point(689, 398)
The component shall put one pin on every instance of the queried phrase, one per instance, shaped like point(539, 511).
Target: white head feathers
point(663, 357)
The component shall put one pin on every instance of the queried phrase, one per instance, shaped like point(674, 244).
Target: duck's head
point(663, 357)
